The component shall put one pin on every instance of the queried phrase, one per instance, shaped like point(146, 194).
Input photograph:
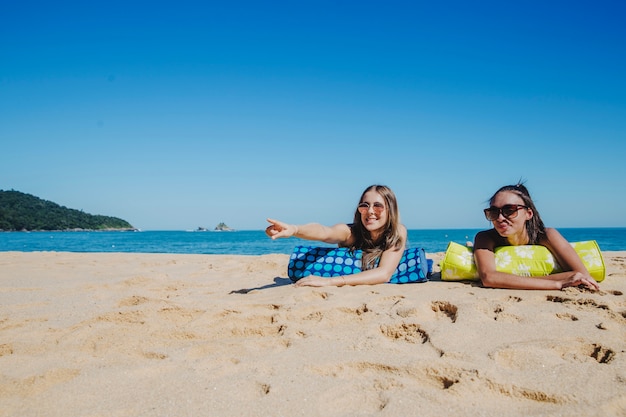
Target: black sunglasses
point(509, 211)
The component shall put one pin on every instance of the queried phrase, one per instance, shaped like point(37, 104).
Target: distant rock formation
point(222, 227)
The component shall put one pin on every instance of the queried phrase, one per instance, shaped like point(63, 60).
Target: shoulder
point(487, 239)
point(552, 237)
point(484, 234)
point(344, 232)
point(551, 234)
point(403, 235)
point(343, 229)
point(550, 231)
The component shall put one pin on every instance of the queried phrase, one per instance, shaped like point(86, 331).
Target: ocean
point(248, 242)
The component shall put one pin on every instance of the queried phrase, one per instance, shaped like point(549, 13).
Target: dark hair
point(534, 227)
point(390, 238)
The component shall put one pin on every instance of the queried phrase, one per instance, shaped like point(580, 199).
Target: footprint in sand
point(523, 393)
point(580, 351)
point(314, 316)
point(178, 315)
point(589, 304)
point(446, 309)
point(567, 316)
point(601, 354)
point(265, 327)
point(154, 355)
point(6, 349)
point(525, 356)
point(362, 309)
point(264, 389)
point(501, 315)
point(408, 332)
point(135, 300)
point(34, 385)
point(498, 309)
point(406, 312)
point(446, 376)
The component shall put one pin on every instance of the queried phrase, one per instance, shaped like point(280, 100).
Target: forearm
point(369, 277)
point(497, 279)
point(317, 232)
point(361, 278)
point(562, 276)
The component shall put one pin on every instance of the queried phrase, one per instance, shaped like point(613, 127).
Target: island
point(25, 212)
point(221, 227)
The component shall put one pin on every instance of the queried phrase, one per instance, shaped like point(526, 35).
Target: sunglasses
point(509, 211)
point(365, 207)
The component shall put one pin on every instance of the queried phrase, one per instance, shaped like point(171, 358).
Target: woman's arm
point(484, 246)
point(387, 265)
point(337, 234)
point(575, 272)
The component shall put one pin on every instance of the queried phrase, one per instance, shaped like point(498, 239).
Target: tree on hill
point(20, 211)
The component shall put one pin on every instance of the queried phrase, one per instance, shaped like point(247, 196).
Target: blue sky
point(179, 115)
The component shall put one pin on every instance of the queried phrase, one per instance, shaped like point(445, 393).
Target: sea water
point(248, 242)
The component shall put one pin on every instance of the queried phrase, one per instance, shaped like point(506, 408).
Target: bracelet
point(296, 232)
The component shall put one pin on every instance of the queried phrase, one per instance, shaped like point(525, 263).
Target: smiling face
point(373, 218)
point(512, 228)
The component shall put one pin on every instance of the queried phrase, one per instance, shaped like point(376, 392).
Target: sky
point(179, 115)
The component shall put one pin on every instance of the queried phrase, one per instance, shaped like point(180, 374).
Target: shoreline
point(122, 334)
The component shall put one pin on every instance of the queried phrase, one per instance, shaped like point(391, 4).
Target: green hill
point(19, 211)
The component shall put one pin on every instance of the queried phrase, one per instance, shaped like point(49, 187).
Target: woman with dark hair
point(516, 222)
point(376, 230)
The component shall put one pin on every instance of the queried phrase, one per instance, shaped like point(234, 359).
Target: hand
point(580, 279)
point(279, 229)
point(314, 281)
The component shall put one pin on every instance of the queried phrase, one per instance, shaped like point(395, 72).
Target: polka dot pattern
point(323, 262)
point(332, 262)
point(413, 267)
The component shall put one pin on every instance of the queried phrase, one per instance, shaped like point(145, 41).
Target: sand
point(203, 335)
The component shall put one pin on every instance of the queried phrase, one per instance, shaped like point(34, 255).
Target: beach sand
point(204, 335)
